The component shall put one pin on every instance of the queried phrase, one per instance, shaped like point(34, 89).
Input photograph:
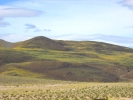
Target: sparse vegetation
point(40, 89)
point(34, 70)
point(12, 56)
point(68, 60)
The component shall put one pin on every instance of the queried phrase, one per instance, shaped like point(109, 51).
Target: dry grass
point(65, 90)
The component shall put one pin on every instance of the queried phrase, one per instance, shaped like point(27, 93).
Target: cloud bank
point(29, 26)
point(127, 3)
point(4, 24)
point(11, 12)
point(6, 11)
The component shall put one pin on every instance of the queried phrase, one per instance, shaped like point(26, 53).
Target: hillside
point(42, 42)
point(41, 57)
point(95, 46)
point(6, 44)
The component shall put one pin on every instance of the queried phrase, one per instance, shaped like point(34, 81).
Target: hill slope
point(6, 44)
point(95, 46)
point(68, 60)
point(42, 42)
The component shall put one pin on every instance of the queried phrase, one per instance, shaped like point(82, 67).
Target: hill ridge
point(6, 44)
point(42, 42)
point(47, 43)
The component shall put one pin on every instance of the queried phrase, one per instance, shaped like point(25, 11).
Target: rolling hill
point(6, 44)
point(42, 42)
point(41, 57)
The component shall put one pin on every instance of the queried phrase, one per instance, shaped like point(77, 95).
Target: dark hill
point(6, 44)
point(64, 71)
point(42, 42)
point(95, 46)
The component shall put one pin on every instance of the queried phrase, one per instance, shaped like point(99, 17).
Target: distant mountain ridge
point(44, 42)
point(118, 40)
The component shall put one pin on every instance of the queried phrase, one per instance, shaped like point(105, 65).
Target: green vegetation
point(85, 61)
point(11, 56)
point(42, 42)
point(45, 69)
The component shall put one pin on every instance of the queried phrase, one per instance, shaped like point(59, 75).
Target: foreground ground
point(16, 88)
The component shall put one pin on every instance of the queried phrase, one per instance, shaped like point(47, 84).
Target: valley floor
point(16, 88)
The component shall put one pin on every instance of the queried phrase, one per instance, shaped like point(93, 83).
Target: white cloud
point(30, 26)
point(6, 11)
point(4, 24)
point(127, 3)
point(130, 26)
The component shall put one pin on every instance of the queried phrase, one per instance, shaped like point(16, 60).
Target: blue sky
point(100, 20)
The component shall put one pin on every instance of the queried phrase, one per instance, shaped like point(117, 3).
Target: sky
point(109, 21)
